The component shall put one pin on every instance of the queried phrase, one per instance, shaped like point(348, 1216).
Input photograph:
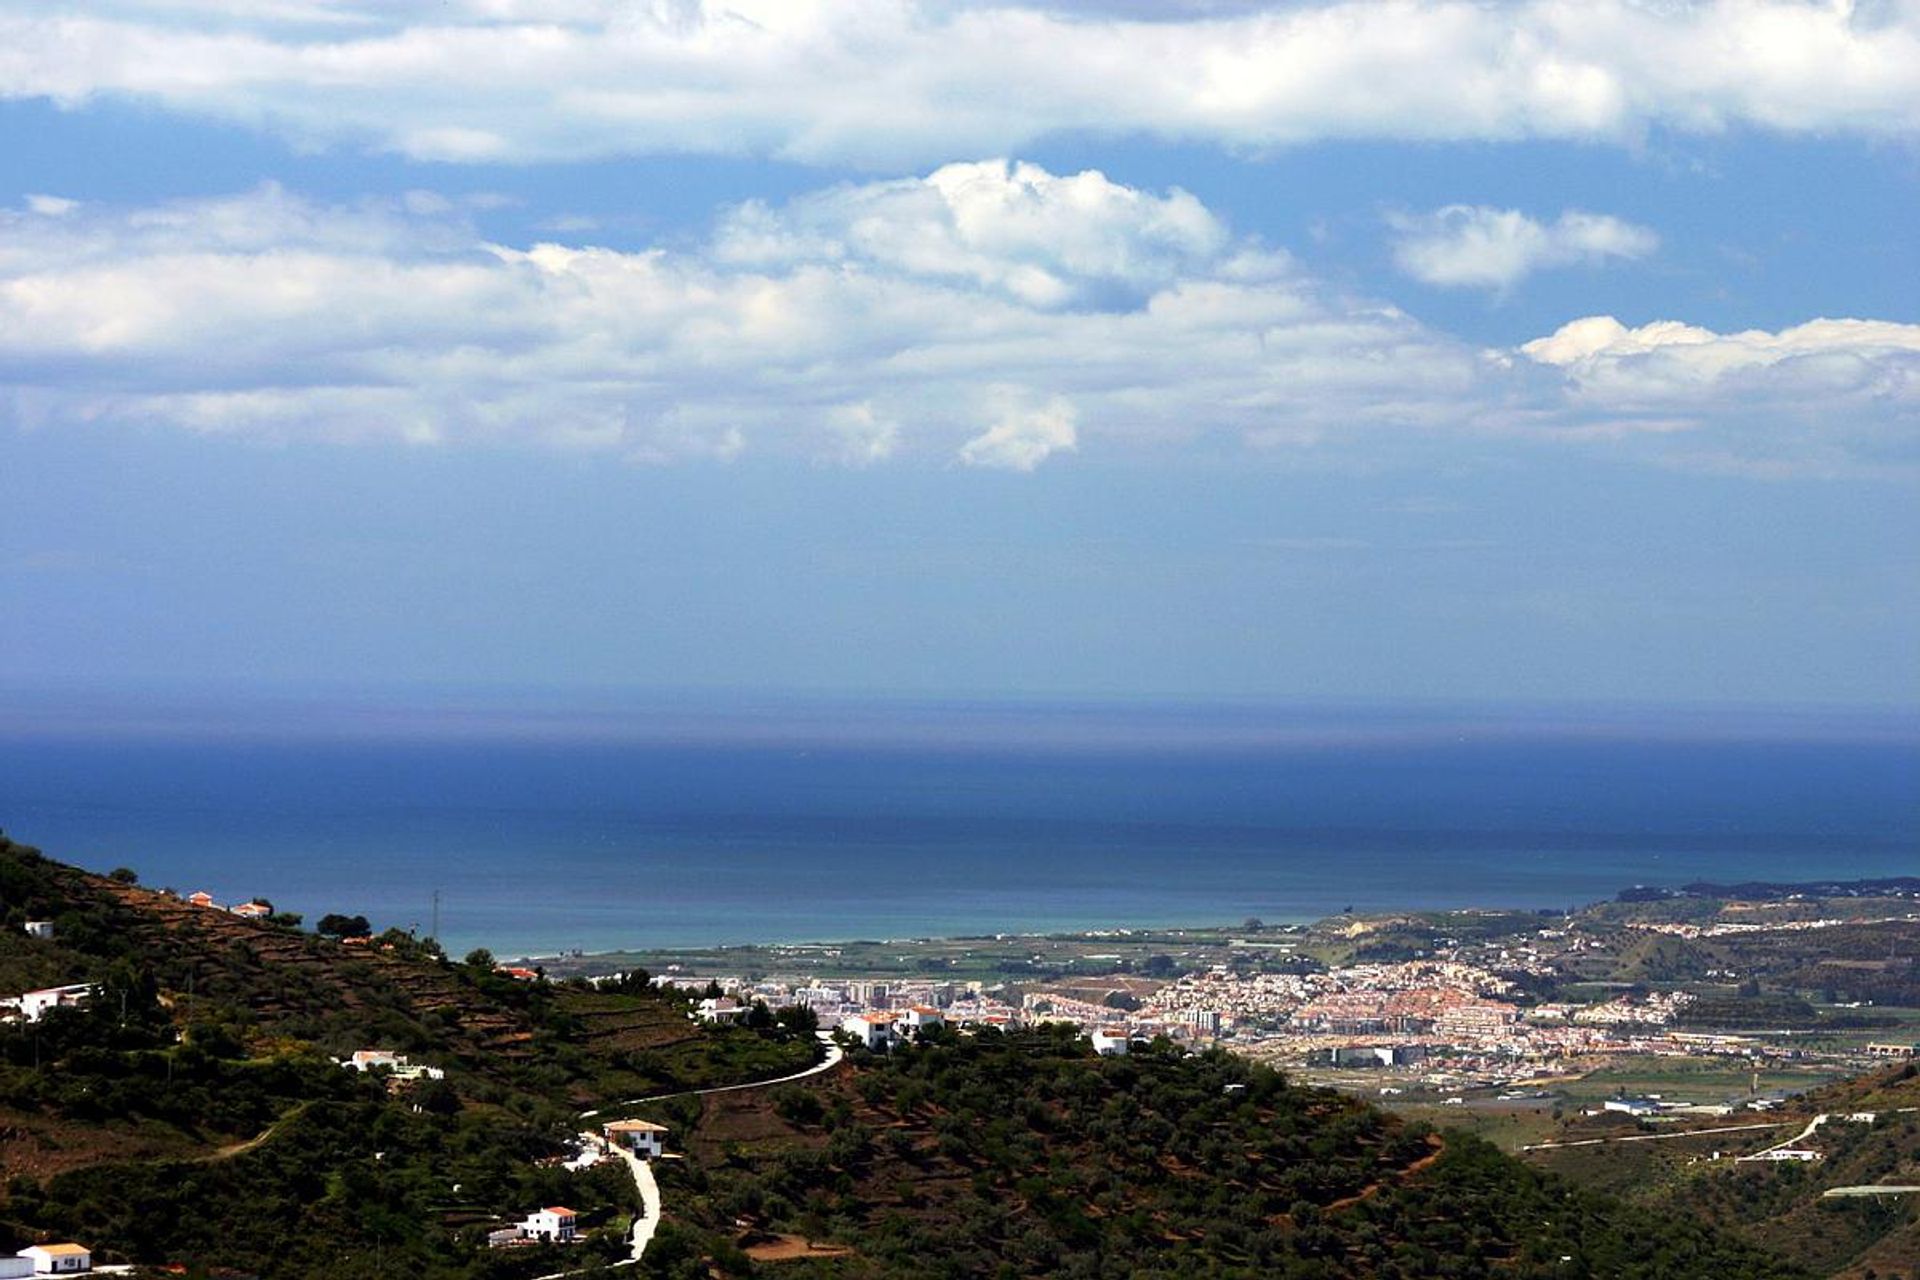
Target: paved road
point(643, 1180)
point(1875, 1190)
point(643, 1226)
point(1654, 1137)
point(832, 1060)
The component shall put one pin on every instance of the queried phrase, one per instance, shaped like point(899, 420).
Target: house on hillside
point(201, 899)
point(642, 1137)
point(56, 1259)
point(368, 1059)
point(877, 1031)
point(555, 1224)
point(1110, 1042)
point(42, 929)
point(31, 1006)
point(252, 910)
point(519, 973)
point(719, 1009)
point(921, 1017)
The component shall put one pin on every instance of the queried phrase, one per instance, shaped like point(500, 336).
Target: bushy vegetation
point(1025, 1155)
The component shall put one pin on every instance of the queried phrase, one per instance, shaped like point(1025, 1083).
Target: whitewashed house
point(921, 1017)
point(58, 1259)
point(31, 1006)
point(368, 1059)
point(555, 1223)
point(42, 929)
point(1110, 1042)
point(642, 1137)
point(720, 1009)
point(877, 1031)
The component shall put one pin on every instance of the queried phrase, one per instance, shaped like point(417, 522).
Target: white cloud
point(1476, 246)
point(916, 332)
point(1828, 396)
point(51, 206)
point(1045, 240)
point(915, 82)
point(862, 325)
point(1024, 437)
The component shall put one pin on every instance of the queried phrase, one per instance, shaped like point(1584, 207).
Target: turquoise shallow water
point(813, 832)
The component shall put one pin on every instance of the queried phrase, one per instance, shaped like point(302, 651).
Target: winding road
point(643, 1179)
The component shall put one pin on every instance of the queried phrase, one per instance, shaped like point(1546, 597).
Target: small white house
point(642, 1137)
point(58, 1259)
point(1110, 1042)
point(720, 1009)
point(556, 1223)
point(920, 1017)
point(877, 1031)
point(368, 1059)
point(42, 929)
point(33, 1005)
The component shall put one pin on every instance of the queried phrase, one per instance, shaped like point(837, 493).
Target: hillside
point(191, 1112)
point(192, 1109)
point(1782, 1207)
point(1025, 1155)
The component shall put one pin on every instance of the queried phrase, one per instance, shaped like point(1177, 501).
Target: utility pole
point(435, 935)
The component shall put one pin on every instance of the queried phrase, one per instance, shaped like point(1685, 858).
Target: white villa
point(368, 1059)
point(642, 1137)
point(920, 1017)
point(719, 1009)
point(1110, 1042)
point(877, 1031)
point(33, 1005)
point(555, 1223)
point(42, 929)
point(48, 1260)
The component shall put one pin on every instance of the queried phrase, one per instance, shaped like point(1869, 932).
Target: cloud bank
point(988, 315)
point(915, 82)
point(1473, 246)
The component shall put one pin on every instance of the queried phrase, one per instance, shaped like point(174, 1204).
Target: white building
point(877, 1031)
point(921, 1017)
point(1110, 1042)
point(368, 1059)
point(58, 1259)
point(42, 929)
point(720, 1009)
point(642, 1137)
point(556, 1223)
point(33, 1005)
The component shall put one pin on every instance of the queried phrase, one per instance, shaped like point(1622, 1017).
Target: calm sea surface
point(536, 846)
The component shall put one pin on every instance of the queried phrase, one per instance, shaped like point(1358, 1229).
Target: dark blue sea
point(600, 830)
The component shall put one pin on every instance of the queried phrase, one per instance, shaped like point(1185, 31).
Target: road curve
point(832, 1060)
point(643, 1180)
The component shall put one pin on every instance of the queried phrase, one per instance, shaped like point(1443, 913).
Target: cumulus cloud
point(1475, 246)
point(860, 325)
point(1044, 239)
point(853, 325)
point(1832, 396)
point(1024, 437)
point(915, 82)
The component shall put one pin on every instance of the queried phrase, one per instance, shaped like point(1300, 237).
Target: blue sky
point(1304, 351)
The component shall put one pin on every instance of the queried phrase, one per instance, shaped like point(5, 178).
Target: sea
point(535, 830)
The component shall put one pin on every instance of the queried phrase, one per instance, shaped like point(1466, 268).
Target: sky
point(1377, 350)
